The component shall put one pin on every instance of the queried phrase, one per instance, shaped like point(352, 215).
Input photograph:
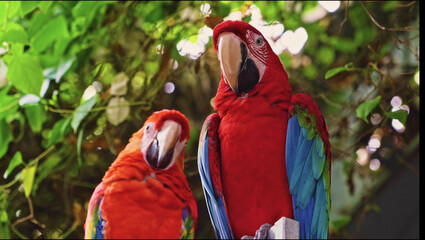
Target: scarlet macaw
point(144, 193)
point(266, 153)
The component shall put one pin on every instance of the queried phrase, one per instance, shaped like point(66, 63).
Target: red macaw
point(266, 153)
point(144, 193)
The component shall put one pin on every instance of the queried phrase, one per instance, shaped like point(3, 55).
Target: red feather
point(141, 202)
point(252, 135)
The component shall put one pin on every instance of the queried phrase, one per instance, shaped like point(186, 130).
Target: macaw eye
point(259, 41)
point(148, 128)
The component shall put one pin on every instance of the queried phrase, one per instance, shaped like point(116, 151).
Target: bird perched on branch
point(265, 154)
point(144, 193)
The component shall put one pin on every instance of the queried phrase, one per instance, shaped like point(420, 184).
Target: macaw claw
point(261, 233)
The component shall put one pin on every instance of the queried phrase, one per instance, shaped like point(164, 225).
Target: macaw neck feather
point(273, 88)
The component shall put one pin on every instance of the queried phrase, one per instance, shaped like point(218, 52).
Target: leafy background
point(78, 78)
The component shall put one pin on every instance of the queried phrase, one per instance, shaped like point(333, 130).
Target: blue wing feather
point(100, 231)
point(95, 224)
point(215, 204)
point(305, 161)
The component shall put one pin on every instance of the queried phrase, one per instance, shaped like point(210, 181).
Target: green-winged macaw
point(144, 193)
point(266, 153)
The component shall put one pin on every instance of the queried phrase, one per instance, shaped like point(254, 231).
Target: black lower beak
point(152, 153)
point(249, 75)
point(152, 156)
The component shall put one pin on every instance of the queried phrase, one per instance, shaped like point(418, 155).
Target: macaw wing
point(308, 164)
point(188, 225)
point(209, 171)
point(94, 225)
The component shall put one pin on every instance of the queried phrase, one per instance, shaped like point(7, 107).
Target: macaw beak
point(239, 70)
point(161, 151)
point(229, 54)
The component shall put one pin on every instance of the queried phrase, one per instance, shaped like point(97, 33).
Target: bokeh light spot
point(416, 77)
point(89, 93)
point(375, 119)
point(396, 101)
point(397, 125)
point(374, 164)
point(330, 6)
point(169, 87)
point(362, 156)
point(374, 143)
point(206, 9)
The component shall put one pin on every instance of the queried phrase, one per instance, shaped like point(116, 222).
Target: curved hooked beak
point(161, 151)
point(229, 54)
point(239, 70)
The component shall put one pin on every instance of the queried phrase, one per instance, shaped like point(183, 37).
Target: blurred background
point(78, 78)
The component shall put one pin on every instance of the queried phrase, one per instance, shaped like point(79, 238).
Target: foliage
point(77, 78)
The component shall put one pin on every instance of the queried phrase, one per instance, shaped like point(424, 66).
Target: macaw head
point(245, 55)
point(165, 135)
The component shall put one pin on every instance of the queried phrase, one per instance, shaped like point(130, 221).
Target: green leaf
point(115, 114)
point(83, 8)
point(340, 222)
point(3, 216)
point(53, 30)
point(326, 55)
point(88, 10)
point(59, 130)
point(373, 207)
point(45, 5)
point(79, 142)
point(63, 66)
point(400, 115)
point(25, 73)
point(5, 137)
point(365, 108)
point(47, 167)
point(9, 104)
point(38, 20)
point(14, 36)
point(81, 112)
point(151, 67)
point(334, 71)
point(14, 162)
point(36, 116)
point(14, 8)
point(28, 174)
point(28, 6)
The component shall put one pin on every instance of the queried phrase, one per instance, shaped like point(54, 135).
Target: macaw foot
point(261, 233)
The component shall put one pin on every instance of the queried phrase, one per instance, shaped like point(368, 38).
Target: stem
point(18, 233)
point(69, 231)
point(7, 185)
point(43, 154)
point(98, 108)
point(403, 29)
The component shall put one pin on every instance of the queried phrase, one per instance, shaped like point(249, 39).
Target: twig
point(407, 4)
point(384, 75)
point(323, 96)
point(98, 108)
point(7, 185)
point(403, 29)
point(43, 154)
point(345, 18)
point(372, 18)
point(69, 231)
point(23, 219)
point(76, 183)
